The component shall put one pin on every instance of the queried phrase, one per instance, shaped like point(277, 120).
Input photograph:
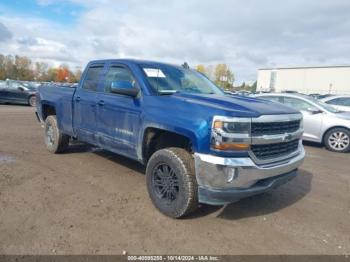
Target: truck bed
point(60, 97)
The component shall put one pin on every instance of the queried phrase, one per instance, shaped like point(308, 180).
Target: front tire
point(171, 182)
point(338, 140)
point(55, 141)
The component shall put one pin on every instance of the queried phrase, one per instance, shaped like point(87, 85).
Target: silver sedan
point(322, 123)
point(339, 102)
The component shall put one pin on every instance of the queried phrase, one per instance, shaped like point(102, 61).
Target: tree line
point(23, 68)
point(223, 77)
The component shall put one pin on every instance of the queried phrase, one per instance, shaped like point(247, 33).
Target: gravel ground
point(89, 201)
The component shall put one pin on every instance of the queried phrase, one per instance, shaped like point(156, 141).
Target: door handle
point(77, 98)
point(101, 103)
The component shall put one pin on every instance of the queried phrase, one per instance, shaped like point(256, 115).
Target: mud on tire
point(171, 182)
point(55, 141)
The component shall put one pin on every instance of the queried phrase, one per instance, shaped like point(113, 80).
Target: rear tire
point(338, 140)
point(55, 141)
point(32, 101)
point(171, 182)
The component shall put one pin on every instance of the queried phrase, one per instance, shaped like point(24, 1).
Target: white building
point(307, 80)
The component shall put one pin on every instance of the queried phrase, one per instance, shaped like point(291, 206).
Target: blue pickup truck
point(199, 145)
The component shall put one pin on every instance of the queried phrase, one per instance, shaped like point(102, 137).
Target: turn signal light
point(218, 124)
point(231, 146)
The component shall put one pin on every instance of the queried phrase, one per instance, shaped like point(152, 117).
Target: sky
point(245, 34)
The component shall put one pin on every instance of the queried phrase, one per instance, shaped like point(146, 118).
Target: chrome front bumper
point(240, 177)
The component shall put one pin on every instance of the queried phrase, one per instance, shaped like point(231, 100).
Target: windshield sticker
point(154, 72)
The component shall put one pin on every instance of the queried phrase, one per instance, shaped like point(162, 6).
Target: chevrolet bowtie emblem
point(287, 137)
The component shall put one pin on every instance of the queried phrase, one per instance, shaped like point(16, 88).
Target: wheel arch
point(329, 129)
point(155, 138)
point(47, 109)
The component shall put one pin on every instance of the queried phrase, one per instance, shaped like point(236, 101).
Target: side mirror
point(20, 88)
point(313, 111)
point(124, 88)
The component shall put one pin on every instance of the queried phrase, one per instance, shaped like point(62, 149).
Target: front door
point(118, 115)
point(312, 121)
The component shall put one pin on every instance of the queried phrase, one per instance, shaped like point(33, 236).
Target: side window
point(92, 78)
point(13, 85)
point(298, 104)
point(117, 73)
point(343, 101)
point(346, 101)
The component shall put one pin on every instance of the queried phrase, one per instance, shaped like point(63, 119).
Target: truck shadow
point(254, 206)
point(262, 204)
point(14, 105)
point(121, 160)
point(313, 144)
point(78, 147)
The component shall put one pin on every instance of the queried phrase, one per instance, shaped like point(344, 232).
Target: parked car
point(319, 96)
point(341, 103)
point(322, 123)
point(198, 144)
point(13, 92)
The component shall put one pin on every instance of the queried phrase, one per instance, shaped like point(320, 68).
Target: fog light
point(232, 174)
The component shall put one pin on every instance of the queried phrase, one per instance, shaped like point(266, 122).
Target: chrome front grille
point(274, 128)
point(275, 138)
point(277, 150)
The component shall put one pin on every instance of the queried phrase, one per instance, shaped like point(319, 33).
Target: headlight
point(230, 133)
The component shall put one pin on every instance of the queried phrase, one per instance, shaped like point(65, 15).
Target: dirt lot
point(90, 201)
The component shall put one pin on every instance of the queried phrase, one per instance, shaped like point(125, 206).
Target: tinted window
point(117, 73)
point(343, 101)
point(14, 85)
point(298, 104)
point(92, 77)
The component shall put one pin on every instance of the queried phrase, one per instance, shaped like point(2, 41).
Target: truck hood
point(234, 105)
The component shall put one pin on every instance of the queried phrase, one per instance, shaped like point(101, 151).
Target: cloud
point(246, 35)
point(5, 33)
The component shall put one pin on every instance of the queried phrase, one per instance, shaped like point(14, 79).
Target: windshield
point(171, 79)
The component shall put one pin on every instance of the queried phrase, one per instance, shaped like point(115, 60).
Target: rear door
point(118, 116)
point(85, 104)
